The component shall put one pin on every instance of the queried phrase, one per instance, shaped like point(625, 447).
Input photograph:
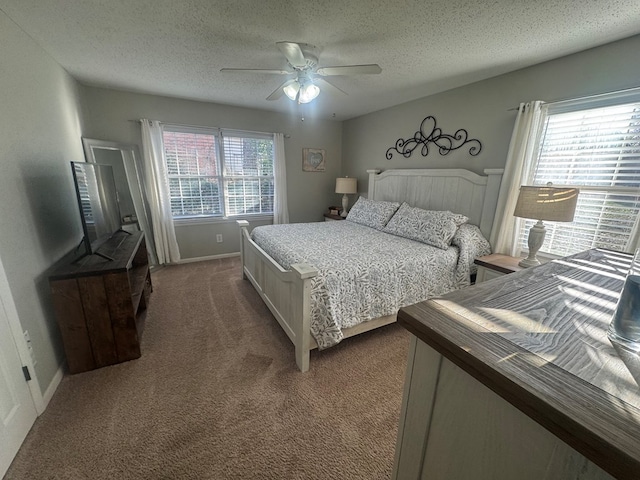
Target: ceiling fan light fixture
point(302, 91)
point(292, 90)
point(308, 93)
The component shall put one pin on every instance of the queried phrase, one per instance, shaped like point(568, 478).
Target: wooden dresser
point(516, 378)
point(99, 303)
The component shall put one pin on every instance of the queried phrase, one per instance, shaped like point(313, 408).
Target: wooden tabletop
point(538, 339)
point(499, 262)
point(120, 248)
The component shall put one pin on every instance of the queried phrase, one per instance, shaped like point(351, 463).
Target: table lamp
point(554, 204)
point(346, 186)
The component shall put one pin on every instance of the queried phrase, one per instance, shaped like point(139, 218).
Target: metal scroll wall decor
point(445, 143)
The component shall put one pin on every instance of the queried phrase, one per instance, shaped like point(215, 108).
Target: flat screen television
point(98, 202)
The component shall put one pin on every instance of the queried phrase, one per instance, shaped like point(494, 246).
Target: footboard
point(287, 293)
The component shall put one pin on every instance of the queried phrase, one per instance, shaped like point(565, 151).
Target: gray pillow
point(459, 218)
point(435, 228)
point(372, 213)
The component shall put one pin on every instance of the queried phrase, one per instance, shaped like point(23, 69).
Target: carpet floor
point(216, 395)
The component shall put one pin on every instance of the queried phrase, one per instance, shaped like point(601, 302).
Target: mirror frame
point(133, 170)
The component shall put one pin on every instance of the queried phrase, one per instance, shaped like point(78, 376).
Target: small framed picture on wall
point(313, 160)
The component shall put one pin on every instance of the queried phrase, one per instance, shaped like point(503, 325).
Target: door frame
point(18, 338)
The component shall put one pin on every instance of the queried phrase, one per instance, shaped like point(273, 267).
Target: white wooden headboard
point(458, 190)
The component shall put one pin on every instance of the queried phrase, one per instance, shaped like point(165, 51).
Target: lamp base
point(535, 241)
point(345, 204)
point(529, 262)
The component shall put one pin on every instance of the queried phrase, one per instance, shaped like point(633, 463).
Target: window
point(597, 149)
point(248, 175)
point(218, 173)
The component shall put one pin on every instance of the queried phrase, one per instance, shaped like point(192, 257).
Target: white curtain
point(157, 190)
point(517, 170)
point(280, 208)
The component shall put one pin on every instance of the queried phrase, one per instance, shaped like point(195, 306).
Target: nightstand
point(496, 265)
point(330, 218)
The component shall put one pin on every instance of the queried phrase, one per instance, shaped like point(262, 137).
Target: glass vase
point(625, 324)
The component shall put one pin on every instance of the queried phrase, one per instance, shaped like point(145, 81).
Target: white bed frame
point(287, 293)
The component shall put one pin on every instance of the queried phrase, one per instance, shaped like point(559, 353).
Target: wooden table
point(516, 378)
point(328, 217)
point(496, 265)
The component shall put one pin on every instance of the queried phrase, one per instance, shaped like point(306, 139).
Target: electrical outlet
point(27, 339)
point(219, 238)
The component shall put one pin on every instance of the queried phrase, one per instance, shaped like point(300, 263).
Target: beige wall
point(486, 110)
point(39, 218)
point(110, 113)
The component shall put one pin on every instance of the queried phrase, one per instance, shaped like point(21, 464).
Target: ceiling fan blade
point(278, 92)
point(256, 70)
point(327, 85)
point(293, 52)
point(350, 70)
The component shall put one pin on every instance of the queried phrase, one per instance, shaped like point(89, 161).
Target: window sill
point(210, 220)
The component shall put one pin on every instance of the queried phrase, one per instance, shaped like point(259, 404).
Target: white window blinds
point(193, 173)
point(248, 175)
point(598, 151)
point(214, 173)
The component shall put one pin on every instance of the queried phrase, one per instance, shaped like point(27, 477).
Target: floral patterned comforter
point(364, 273)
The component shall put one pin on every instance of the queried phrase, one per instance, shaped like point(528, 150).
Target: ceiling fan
point(303, 62)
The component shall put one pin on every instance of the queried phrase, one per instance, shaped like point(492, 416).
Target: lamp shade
point(555, 204)
point(292, 90)
point(303, 91)
point(308, 92)
point(346, 185)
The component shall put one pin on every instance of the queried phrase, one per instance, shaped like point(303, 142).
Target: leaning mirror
point(124, 159)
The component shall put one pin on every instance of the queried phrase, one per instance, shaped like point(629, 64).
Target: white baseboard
point(41, 401)
point(209, 257)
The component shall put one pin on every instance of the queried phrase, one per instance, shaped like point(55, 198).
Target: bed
point(303, 289)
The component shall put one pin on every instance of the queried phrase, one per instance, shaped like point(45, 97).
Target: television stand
point(100, 306)
point(106, 257)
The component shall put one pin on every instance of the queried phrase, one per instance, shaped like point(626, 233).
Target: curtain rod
point(286, 135)
point(587, 97)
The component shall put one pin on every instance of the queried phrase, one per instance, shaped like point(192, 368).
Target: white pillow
point(372, 213)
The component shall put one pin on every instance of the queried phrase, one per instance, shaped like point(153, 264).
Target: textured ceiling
point(177, 48)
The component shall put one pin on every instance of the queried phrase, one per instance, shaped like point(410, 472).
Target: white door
point(17, 410)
